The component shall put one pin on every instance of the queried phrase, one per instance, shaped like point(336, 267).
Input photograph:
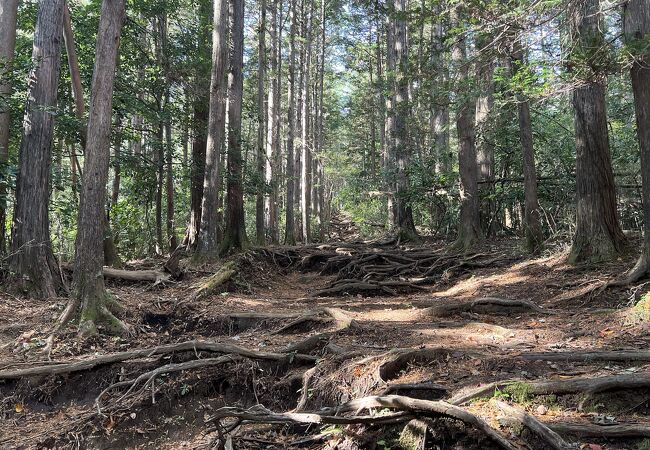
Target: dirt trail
point(291, 350)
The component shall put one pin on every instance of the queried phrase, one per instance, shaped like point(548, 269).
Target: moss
point(518, 391)
point(222, 276)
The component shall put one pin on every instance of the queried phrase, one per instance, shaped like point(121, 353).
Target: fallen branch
point(550, 437)
point(48, 368)
point(155, 276)
point(221, 277)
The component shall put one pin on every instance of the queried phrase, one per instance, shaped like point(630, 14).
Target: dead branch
point(552, 439)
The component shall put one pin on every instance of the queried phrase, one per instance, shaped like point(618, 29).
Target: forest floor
point(575, 360)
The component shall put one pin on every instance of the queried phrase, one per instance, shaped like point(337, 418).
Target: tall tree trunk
point(270, 177)
point(532, 224)
point(159, 163)
point(485, 130)
point(8, 18)
point(469, 227)
point(636, 21)
point(197, 168)
point(440, 112)
point(235, 233)
point(404, 225)
point(169, 186)
point(261, 125)
point(289, 236)
point(208, 239)
point(32, 260)
point(598, 233)
point(305, 172)
point(88, 286)
point(389, 156)
point(319, 125)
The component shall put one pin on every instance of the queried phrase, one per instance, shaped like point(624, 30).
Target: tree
point(439, 122)
point(289, 236)
point(235, 234)
point(261, 124)
point(8, 17)
point(305, 141)
point(272, 137)
point(598, 234)
point(208, 238)
point(32, 262)
point(404, 225)
point(88, 283)
point(532, 226)
point(636, 24)
point(469, 227)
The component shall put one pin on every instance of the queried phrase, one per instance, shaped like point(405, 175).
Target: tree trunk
point(169, 187)
point(8, 18)
point(469, 227)
point(208, 239)
point(485, 131)
point(88, 286)
point(440, 113)
point(404, 225)
point(636, 20)
point(197, 169)
point(305, 170)
point(289, 235)
point(270, 177)
point(159, 162)
point(389, 148)
point(32, 260)
point(235, 233)
point(532, 224)
point(261, 126)
point(598, 233)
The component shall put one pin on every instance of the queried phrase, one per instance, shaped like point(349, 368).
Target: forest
point(325, 224)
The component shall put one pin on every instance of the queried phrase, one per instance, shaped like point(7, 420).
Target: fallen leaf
point(19, 407)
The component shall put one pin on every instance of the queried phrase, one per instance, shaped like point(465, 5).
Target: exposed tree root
point(481, 305)
point(213, 282)
point(634, 430)
point(406, 409)
point(148, 377)
point(585, 385)
point(50, 368)
point(407, 387)
point(589, 356)
point(400, 359)
point(341, 319)
point(551, 438)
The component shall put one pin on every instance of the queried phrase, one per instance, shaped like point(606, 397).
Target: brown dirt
point(58, 411)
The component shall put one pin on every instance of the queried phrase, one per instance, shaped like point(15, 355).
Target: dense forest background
point(516, 51)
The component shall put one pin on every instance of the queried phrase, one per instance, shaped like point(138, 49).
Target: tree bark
point(598, 234)
point(75, 75)
point(88, 285)
point(404, 225)
point(270, 175)
point(32, 260)
point(469, 228)
point(305, 142)
point(169, 187)
point(261, 125)
point(208, 238)
point(485, 131)
point(532, 225)
point(8, 20)
point(636, 21)
point(235, 233)
point(289, 235)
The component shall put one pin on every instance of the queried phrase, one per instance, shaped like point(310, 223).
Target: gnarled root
point(552, 439)
point(483, 305)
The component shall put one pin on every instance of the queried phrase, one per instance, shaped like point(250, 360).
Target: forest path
point(367, 345)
